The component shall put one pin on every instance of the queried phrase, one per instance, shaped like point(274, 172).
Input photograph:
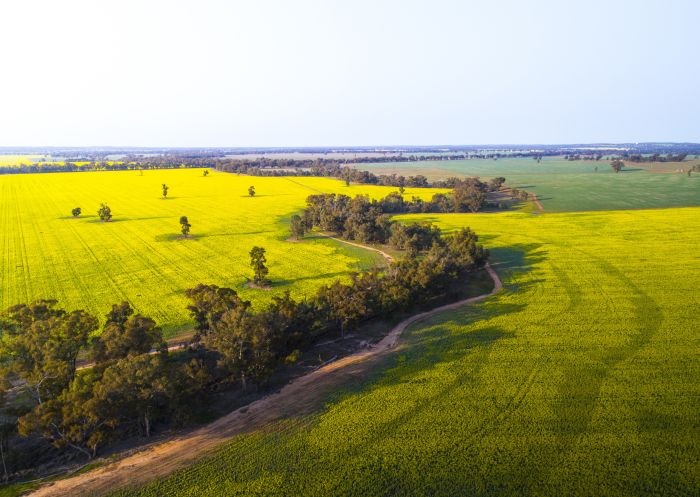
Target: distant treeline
point(652, 157)
point(573, 157)
point(263, 166)
point(135, 385)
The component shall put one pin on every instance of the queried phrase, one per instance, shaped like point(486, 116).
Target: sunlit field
point(19, 160)
point(140, 256)
point(580, 378)
point(563, 185)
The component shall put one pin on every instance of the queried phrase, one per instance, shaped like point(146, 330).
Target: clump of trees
point(104, 212)
point(185, 226)
point(76, 211)
point(165, 190)
point(251, 191)
point(469, 195)
point(368, 220)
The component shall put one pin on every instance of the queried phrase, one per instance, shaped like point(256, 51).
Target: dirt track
point(301, 396)
point(384, 254)
point(537, 202)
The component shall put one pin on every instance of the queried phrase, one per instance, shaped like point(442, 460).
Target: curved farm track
point(383, 254)
point(301, 396)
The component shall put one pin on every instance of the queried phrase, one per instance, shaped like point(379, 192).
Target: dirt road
point(301, 396)
point(537, 202)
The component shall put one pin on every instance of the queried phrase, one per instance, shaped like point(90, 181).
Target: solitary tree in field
point(205, 173)
point(165, 190)
point(104, 212)
point(185, 226)
point(257, 262)
point(617, 165)
point(76, 212)
point(251, 191)
point(297, 227)
point(401, 190)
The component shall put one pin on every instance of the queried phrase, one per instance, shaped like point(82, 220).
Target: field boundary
point(300, 396)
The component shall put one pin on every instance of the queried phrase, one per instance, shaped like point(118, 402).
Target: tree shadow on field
point(519, 257)
point(314, 236)
point(238, 233)
point(258, 195)
point(285, 282)
point(149, 218)
point(169, 237)
point(177, 237)
point(97, 220)
point(77, 218)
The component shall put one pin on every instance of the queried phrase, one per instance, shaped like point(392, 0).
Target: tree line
point(656, 157)
point(134, 384)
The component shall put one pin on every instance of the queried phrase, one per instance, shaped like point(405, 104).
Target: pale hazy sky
point(354, 72)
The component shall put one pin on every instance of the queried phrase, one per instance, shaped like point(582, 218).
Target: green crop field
point(139, 256)
point(563, 185)
point(580, 378)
